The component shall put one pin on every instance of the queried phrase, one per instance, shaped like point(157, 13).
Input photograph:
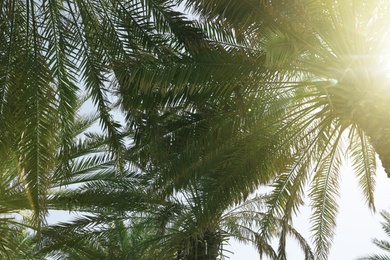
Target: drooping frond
point(363, 156)
point(324, 193)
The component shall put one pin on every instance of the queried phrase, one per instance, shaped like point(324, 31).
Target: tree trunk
point(206, 247)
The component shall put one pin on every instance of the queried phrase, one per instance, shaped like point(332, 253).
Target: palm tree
point(193, 230)
point(323, 63)
point(308, 64)
point(51, 49)
point(222, 147)
point(179, 228)
point(48, 49)
point(382, 244)
point(166, 224)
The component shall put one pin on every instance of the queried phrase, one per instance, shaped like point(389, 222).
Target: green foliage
point(252, 93)
point(324, 61)
point(50, 48)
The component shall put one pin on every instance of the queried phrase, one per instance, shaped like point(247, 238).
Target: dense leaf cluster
point(232, 98)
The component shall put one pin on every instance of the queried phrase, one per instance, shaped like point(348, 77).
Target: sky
point(356, 224)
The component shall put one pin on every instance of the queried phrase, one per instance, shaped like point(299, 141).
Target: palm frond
point(324, 192)
point(364, 166)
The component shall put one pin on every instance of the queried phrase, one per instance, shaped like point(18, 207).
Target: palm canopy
point(48, 49)
point(183, 226)
point(309, 62)
point(322, 62)
point(165, 222)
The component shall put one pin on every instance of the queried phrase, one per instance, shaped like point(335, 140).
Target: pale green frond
point(386, 223)
point(382, 244)
point(303, 243)
point(324, 193)
point(364, 163)
point(84, 122)
point(265, 248)
point(374, 257)
point(288, 188)
point(90, 168)
point(242, 221)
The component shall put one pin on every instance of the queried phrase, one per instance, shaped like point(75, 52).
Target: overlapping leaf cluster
point(244, 94)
